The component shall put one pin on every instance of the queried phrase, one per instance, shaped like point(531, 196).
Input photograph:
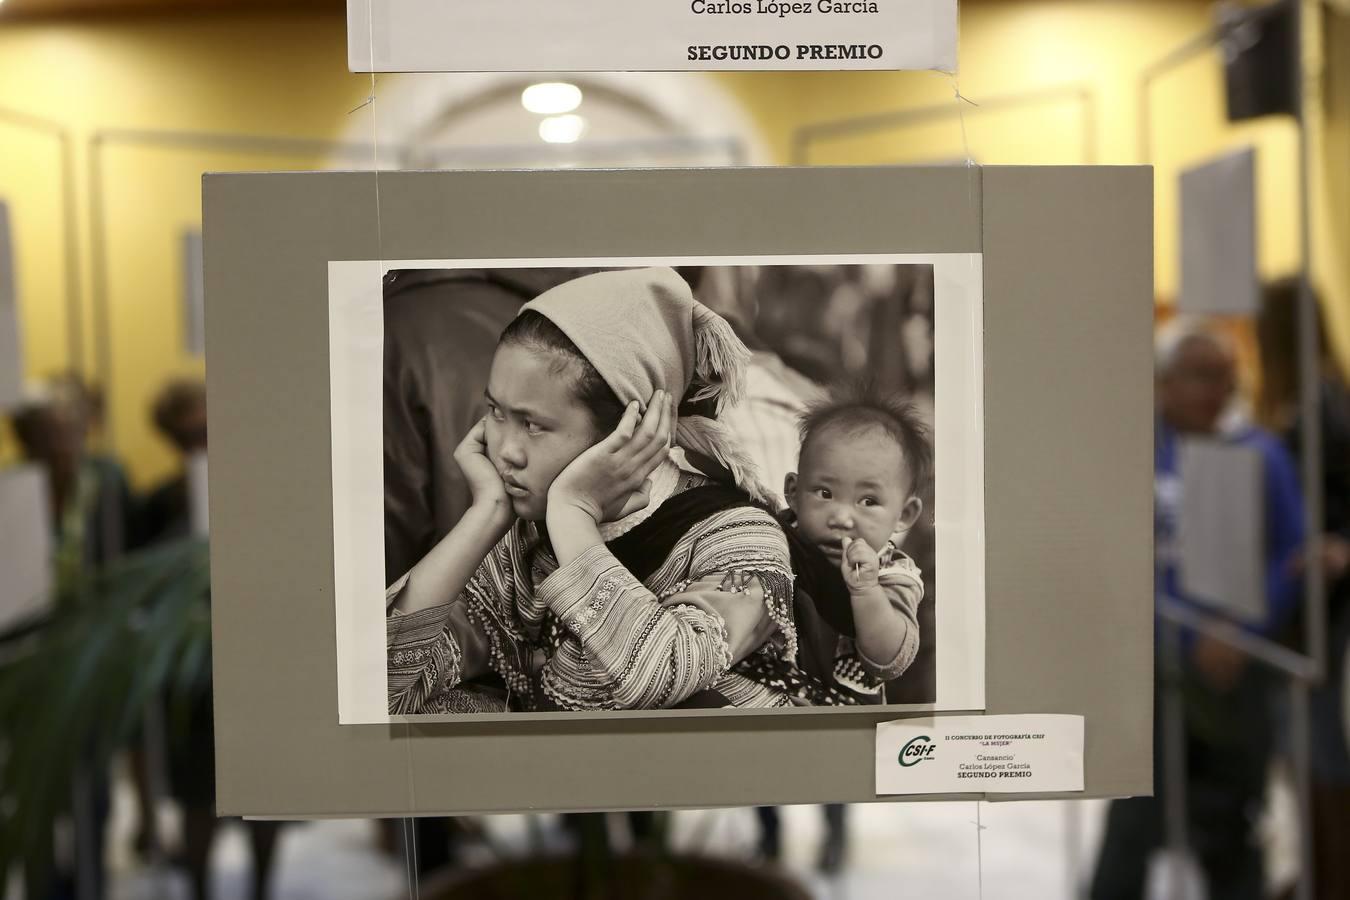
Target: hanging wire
point(410, 849)
point(979, 849)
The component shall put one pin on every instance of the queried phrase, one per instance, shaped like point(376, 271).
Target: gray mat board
point(1054, 239)
point(1069, 456)
point(11, 345)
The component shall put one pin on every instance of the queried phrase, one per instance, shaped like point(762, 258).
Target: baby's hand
point(860, 565)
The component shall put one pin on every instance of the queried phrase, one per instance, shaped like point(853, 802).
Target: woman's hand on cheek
point(485, 484)
point(610, 479)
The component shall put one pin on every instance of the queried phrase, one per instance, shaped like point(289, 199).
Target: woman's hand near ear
point(610, 480)
point(485, 484)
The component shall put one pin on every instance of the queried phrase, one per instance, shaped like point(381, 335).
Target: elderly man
point(1227, 714)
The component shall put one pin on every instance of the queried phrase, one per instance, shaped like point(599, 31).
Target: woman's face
point(535, 424)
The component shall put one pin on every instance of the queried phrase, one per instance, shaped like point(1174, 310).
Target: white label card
point(648, 35)
point(1218, 237)
point(1221, 540)
point(11, 356)
point(984, 754)
point(25, 543)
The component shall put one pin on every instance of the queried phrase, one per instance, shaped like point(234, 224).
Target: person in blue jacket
point(1228, 721)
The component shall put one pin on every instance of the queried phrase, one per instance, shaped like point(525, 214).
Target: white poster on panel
point(25, 543)
point(197, 498)
point(649, 35)
point(1218, 237)
point(11, 355)
point(194, 295)
point(1221, 529)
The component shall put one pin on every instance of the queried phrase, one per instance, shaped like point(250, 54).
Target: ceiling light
point(551, 98)
point(562, 129)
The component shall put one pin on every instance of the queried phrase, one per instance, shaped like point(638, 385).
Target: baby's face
point(851, 485)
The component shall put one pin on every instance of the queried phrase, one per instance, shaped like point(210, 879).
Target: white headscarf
point(643, 331)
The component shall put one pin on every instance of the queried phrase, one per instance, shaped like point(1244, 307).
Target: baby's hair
point(854, 408)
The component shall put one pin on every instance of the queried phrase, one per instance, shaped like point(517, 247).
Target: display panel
point(1066, 420)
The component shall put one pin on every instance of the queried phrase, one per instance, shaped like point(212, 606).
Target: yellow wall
point(1331, 181)
point(273, 74)
point(257, 74)
point(1011, 48)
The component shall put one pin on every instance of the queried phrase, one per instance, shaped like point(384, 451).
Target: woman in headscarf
point(617, 554)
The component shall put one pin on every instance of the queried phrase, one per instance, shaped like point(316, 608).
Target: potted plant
point(76, 680)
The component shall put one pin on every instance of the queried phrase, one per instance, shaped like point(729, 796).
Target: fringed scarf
point(643, 331)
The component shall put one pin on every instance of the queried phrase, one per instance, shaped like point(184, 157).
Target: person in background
point(93, 516)
point(179, 415)
point(1277, 408)
point(91, 502)
point(1227, 708)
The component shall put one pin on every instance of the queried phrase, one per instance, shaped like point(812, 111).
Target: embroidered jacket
point(590, 635)
point(902, 583)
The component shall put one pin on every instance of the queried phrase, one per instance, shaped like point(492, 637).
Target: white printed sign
point(194, 295)
point(1221, 529)
point(984, 754)
point(197, 494)
point(648, 35)
point(1218, 237)
point(11, 356)
point(25, 543)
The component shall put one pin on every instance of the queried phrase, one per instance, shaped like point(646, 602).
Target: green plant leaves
point(75, 681)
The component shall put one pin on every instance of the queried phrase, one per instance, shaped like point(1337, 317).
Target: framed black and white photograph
point(634, 486)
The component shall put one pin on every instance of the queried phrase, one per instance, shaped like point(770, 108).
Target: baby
point(864, 460)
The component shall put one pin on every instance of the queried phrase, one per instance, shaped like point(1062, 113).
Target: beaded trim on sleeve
point(504, 663)
point(715, 625)
point(778, 600)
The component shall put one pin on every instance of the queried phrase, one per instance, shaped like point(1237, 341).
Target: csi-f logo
point(917, 750)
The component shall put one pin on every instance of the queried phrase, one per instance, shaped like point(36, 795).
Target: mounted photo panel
point(415, 611)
